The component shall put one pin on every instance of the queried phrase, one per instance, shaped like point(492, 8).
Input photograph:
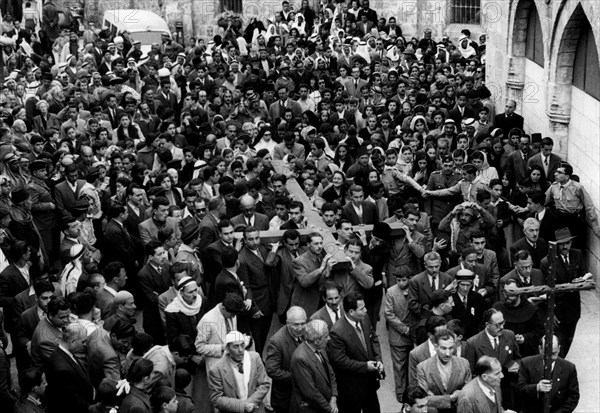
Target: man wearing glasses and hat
point(569, 269)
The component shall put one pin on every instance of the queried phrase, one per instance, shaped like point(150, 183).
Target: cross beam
point(551, 289)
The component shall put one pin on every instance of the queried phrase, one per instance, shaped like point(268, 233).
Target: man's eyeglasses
point(199, 210)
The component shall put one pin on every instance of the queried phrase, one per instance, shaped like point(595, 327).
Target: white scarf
point(179, 305)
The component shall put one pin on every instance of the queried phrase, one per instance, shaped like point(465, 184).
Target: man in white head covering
point(238, 381)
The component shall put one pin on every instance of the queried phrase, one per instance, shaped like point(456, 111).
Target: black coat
point(69, 386)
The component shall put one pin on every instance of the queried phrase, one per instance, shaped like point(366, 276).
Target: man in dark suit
point(165, 98)
point(119, 245)
point(549, 222)
point(310, 270)
point(569, 269)
point(256, 266)
point(279, 356)
point(314, 385)
point(212, 257)
point(531, 242)
point(469, 305)
point(115, 278)
point(443, 389)
point(517, 161)
point(423, 284)
point(12, 282)
point(548, 161)
point(66, 193)
point(284, 102)
point(496, 342)
point(487, 283)
point(331, 312)
point(285, 271)
point(28, 321)
point(154, 280)
point(523, 271)
point(136, 211)
point(460, 111)
point(249, 217)
point(358, 211)
point(69, 387)
point(563, 388)
point(209, 231)
point(356, 358)
point(509, 119)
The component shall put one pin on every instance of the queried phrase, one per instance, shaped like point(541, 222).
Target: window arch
point(586, 68)
point(534, 48)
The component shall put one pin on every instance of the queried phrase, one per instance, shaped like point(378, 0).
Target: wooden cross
point(550, 289)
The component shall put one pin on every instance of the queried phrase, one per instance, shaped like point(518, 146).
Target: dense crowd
point(135, 189)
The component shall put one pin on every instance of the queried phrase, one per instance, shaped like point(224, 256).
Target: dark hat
point(189, 230)
point(362, 150)
point(465, 275)
point(37, 165)
point(92, 174)
point(19, 195)
point(262, 153)
point(255, 183)
point(244, 137)
point(563, 235)
point(174, 164)
point(226, 188)
point(81, 207)
point(382, 231)
point(536, 138)
point(116, 81)
point(469, 168)
point(46, 76)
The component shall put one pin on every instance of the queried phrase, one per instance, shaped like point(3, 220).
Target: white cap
point(164, 72)
point(234, 337)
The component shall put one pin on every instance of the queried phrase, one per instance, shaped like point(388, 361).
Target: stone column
point(514, 91)
point(559, 130)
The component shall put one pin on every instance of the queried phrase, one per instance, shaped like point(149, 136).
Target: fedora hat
point(563, 235)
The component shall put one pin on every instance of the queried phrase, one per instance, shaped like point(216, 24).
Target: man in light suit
point(238, 381)
point(443, 389)
point(311, 269)
point(482, 394)
point(563, 388)
point(399, 321)
point(332, 311)
point(69, 386)
point(284, 102)
point(358, 211)
point(423, 284)
point(548, 161)
point(256, 266)
point(569, 268)
point(424, 350)
point(496, 342)
point(356, 358)
point(249, 217)
point(289, 146)
point(279, 356)
point(107, 351)
point(355, 85)
point(115, 277)
point(314, 385)
point(210, 343)
point(160, 210)
point(48, 332)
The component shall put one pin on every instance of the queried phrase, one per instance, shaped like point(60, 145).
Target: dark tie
point(433, 283)
point(495, 343)
point(546, 161)
point(323, 362)
point(361, 336)
point(240, 367)
point(44, 123)
point(214, 191)
point(337, 316)
point(567, 265)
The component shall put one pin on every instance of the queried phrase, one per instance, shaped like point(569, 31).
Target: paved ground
point(585, 353)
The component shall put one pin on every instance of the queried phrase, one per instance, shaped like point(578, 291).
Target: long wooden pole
point(549, 326)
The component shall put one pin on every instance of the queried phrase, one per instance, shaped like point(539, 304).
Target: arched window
point(534, 49)
point(586, 69)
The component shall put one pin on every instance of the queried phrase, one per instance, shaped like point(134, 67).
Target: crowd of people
point(135, 190)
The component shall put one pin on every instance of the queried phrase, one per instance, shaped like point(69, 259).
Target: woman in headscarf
point(485, 172)
point(300, 24)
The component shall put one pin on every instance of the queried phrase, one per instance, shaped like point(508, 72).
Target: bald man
point(249, 217)
point(69, 386)
point(124, 307)
point(279, 356)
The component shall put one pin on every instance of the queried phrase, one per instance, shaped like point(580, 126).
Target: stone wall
point(551, 105)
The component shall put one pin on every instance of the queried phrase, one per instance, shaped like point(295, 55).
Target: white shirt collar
point(110, 290)
point(332, 313)
point(489, 393)
point(432, 350)
point(491, 338)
